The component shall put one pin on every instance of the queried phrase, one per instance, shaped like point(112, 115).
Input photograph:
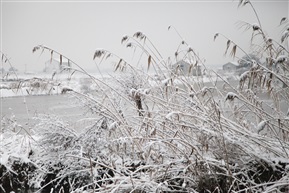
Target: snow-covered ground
point(45, 84)
point(50, 84)
point(23, 109)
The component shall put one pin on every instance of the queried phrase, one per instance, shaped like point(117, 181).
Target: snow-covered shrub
point(16, 167)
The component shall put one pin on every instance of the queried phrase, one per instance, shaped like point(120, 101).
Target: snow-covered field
point(45, 84)
point(35, 94)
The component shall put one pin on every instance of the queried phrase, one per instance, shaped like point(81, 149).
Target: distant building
point(184, 68)
point(12, 69)
point(54, 65)
point(230, 67)
point(2, 70)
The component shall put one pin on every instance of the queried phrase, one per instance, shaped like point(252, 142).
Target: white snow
point(261, 126)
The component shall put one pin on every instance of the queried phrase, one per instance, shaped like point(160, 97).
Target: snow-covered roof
point(235, 63)
point(232, 63)
point(181, 62)
point(64, 60)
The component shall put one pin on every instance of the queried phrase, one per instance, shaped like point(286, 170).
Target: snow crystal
point(165, 82)
point(4, 158)
point(261, 126)
point(113, 126)
point(173, 113)
point(132, 92)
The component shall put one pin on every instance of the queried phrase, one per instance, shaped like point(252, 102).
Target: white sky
point(78, 28)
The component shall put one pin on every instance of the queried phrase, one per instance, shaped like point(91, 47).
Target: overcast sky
point(78, 28)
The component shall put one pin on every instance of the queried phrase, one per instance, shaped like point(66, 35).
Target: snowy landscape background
point(147, 121)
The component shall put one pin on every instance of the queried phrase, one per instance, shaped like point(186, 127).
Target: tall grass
point(169, 133)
